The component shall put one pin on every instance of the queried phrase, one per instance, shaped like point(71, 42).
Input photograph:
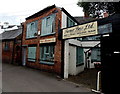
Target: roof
point(41, 12)
point(12, 34)
point(82, 19)
point(47, 9)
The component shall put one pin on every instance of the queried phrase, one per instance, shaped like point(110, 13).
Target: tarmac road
point(23, 79)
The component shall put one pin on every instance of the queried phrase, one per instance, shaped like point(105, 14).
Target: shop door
point(72, 60)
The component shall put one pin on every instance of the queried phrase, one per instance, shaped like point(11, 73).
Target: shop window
point(95, 55)
point(7, 46)
point(93, 38)
point(79, 56)
point(70, 22)
point(32, 29)
point(31, 54)
point(47, 54)
point(48, 25)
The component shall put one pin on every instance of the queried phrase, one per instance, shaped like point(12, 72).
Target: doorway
point(72, 60)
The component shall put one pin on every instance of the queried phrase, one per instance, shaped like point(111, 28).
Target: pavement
point(23, 79)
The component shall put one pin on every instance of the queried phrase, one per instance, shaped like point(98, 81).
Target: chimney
point(86, 15)
point(6, 24)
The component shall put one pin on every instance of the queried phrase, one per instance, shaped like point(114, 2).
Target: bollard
point(98, 84)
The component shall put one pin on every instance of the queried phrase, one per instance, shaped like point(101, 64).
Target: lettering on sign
point(80, 30)
point(48, 40)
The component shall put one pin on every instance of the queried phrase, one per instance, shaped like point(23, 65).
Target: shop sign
point(80, 30)
point(48, 40)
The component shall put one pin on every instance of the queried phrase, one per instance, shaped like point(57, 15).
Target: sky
point(15, 11)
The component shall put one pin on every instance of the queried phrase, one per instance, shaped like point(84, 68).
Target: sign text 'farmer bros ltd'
point(80, 30)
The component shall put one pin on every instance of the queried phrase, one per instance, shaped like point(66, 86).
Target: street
point(0, 77)
point(23, 79)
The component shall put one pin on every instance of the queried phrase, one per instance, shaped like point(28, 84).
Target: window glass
point(47, 54)
point(91, 38)
point(32, 29)
point(70, 22)
point(47, 26)
point(79, 55)
point(32, 54)
point(95, 55)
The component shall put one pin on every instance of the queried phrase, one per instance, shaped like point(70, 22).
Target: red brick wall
point(57, 51)
point(7, 55)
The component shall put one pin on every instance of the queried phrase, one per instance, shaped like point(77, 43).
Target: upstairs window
point(48, 25)
point(32, 29)
point(70, 22)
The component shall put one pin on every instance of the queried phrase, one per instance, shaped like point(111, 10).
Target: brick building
point(41, 47)
point(11, 46)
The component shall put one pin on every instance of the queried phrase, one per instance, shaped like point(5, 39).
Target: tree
point(96, 9)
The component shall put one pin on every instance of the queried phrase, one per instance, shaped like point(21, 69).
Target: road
point(0, 76)
point(23, 79)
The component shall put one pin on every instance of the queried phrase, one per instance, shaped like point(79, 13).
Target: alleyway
point(22, 79)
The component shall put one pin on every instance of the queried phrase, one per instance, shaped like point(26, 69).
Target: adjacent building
point(11, 46)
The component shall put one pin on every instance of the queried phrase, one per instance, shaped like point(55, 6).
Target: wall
point(70, 58)
point(36, 41)
point(7, 55)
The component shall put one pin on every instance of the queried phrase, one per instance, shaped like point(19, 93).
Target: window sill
point(47, 63)
point(31, 60)
point(79, 64)
point(31, 38)
point(48, 34)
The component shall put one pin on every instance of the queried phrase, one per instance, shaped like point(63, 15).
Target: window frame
point(45, 25)
point(30, 33)
point(70, 22)
point(98, 55)
point(31, 59)
point(43, 50)
point(77, 56)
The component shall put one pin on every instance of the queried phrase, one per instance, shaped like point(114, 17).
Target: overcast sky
point(15, 11)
